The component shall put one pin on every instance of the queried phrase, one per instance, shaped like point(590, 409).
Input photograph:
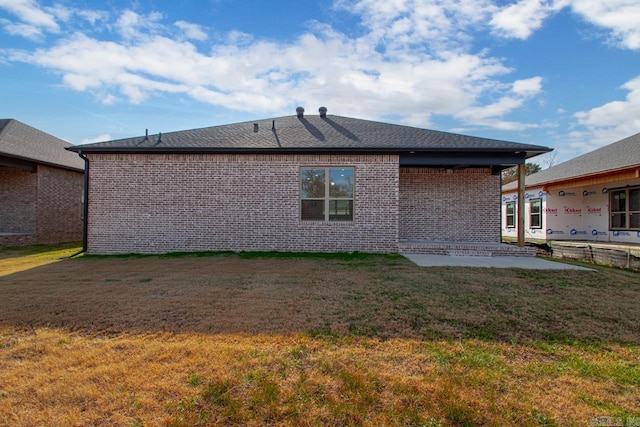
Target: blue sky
point(560, 73)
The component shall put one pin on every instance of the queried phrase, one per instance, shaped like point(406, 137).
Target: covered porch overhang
point(497, 161)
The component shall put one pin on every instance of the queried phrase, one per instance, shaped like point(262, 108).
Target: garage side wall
point(462, 205)
point(17, 200)
point(59, 207)
point(166, 203)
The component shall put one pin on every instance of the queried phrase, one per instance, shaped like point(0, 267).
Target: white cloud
point(59, 12)
point(132, 25)
point(492, 115)
point(610, 122)
point(527, 87)
point(24, 30)
point(92, 16)
point(108, 99)
point(521, 19)
point(34, 21)
point(621, 17)
point(266, 76)
point(99, 138)
point(524, 17)
point(414, 23)
point(192, 31)
point(30, 13)
point(411, 59)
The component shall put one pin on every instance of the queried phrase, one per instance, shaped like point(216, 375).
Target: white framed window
point(535, 213)
point(511, 214)
point(624, 209)
point(326, 193)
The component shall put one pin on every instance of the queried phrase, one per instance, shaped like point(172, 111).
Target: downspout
point(85, 222)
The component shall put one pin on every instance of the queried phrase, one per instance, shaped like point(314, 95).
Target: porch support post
point(521, 175)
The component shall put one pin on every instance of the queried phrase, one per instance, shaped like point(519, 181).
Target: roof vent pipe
point(255, 127)
point(323, 112)
point(300, 112)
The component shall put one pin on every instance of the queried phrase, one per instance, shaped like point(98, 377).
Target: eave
point(605, 177)
point(594, 179)
point(411, 157)
point(30, 164)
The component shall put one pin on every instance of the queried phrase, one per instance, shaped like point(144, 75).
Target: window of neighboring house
point(535, 213)
point(326, 194)
point(625, 209)
point(511, 214)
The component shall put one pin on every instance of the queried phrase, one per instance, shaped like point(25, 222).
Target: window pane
point(313, 210)
point(535, 216)
point(341, 182)
point(634, 200)
point(511, 207)
point(311, 183)
point(618, 220)
point(535, 206)
point(535, 221)
point(634, 220)
point(618, 201)
point(340, 210)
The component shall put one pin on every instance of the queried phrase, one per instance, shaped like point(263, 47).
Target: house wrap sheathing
point(593, 197)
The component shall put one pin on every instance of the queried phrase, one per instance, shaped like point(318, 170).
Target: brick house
point(594, 197)
point(41, 187)
point(295, 183)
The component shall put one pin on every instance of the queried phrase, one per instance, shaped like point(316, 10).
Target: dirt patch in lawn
point(374, 296)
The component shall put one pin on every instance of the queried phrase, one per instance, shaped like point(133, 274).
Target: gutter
point(85, 222)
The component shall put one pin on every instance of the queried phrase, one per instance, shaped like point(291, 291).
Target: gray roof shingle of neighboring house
point(310, 134)
point(24, 143)
point(618, 155)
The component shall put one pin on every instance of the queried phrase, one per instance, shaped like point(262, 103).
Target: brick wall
point(17, 200)
point(462, 206)
point(59, 205)
point(164, 203)
point(44, 207)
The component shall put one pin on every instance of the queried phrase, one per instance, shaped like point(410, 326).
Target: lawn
point(294, 339)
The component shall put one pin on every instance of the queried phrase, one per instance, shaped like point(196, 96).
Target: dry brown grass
point(226, 340)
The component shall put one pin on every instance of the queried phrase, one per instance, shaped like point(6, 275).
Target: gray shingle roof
point(618, 155)
point(20, 141)
point(310, 133)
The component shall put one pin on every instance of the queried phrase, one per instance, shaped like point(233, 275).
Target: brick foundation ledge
point(464, 249)
point(16, 239)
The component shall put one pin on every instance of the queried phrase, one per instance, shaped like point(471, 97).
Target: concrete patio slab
point(530, 263)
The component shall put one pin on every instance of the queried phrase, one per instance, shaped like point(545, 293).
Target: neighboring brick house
point(296, 183)
point(41, 187)
point(593, 197)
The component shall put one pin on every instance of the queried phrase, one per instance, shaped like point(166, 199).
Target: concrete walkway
point(531, 263)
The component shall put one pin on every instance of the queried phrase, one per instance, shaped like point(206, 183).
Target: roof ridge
point(316, 132)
